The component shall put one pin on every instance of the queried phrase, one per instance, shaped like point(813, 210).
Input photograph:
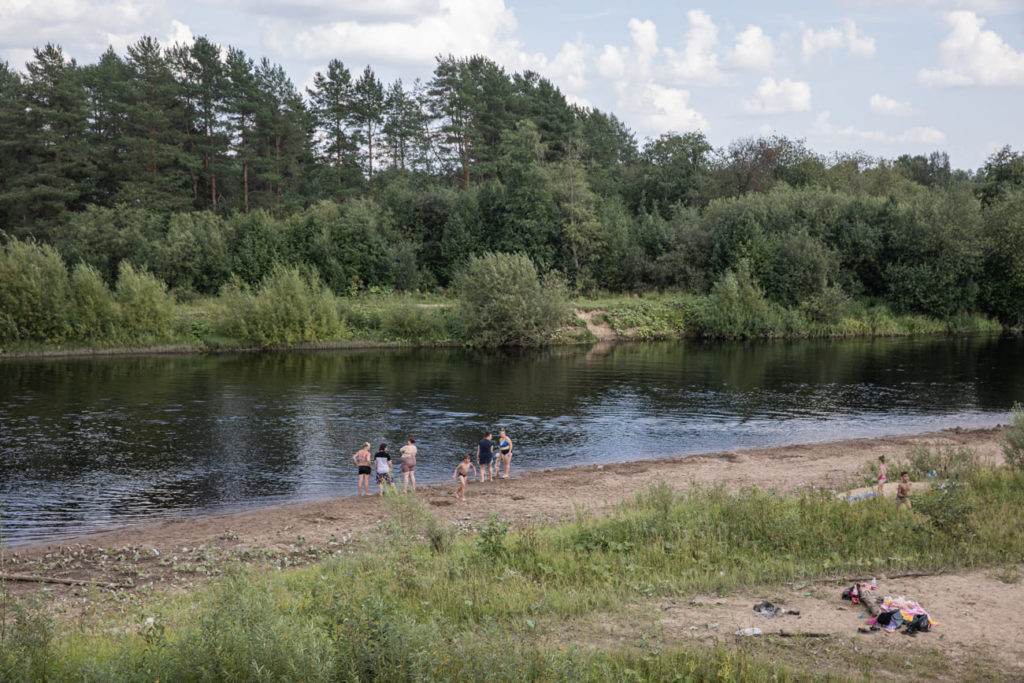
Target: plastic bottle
point(874, 583)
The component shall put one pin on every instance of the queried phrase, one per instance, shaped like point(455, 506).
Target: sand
point(990, 620)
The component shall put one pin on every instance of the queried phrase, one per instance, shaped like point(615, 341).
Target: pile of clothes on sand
point(894, 614)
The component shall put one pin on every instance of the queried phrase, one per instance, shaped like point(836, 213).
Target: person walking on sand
point(462, 472)
point(903, 490)
point(485, 457)
point(383, 461)
point(408, 452)
point(883, 469)
point(505, 451)
point(362, 459)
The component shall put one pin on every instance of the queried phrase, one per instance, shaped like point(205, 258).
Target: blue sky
point(885, 77)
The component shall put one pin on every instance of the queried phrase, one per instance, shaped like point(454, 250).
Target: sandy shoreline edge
point(533, 495)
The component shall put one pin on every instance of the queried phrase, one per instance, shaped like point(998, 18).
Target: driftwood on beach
point(56, 579)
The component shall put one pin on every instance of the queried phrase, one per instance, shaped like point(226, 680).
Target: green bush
point(289, 308)
point(92, 311)
point(736, 308)
point(502, 301)
point(146, 309)
point(1013, 439)
point(948, 507)
point(33, 293)
point(944, 462)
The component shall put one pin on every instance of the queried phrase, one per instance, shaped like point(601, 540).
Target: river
point(88, 444)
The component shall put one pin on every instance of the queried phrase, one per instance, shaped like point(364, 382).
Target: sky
point(883, 77)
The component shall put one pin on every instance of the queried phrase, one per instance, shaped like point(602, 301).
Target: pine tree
point(331, 106)
point(202, 78)
point(14, 152)
point(60, 172)
point(282, 136)
point(152, 169)
point(404, 129)
point(368, 116)
point(242, 106)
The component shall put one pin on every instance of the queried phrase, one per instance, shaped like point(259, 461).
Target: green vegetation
point(1013, 448)
point(208, 173)
point(496, 605)
point(502, 301)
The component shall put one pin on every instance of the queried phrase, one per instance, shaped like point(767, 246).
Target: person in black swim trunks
point(362, 459)
point(485, 457)
point(462, 472)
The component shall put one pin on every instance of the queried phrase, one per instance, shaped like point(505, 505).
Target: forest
point(198, 170)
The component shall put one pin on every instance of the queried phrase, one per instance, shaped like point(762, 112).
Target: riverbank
point(652, 569)
point(297, 533)
point(390, 320)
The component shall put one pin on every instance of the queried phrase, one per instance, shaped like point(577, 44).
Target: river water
point(99, 443)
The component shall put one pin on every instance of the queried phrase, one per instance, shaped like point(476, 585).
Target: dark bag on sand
point(851, 592)
point(918, 623)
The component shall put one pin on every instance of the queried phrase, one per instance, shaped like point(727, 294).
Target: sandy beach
point(525, 497)
point(180, 554)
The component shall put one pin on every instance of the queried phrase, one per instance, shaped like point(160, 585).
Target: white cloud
point(81, 27)
point(179, 33)
point(833, 38)
point(697, 62)
point(611, 65)
point(312, 10)
point(645, 44)
point(633, 72)
point(779, 97)
point(919, 135)
point(668, 109)
point(754, 50)
point(458, 27)
point(973, 5)
point(569, 66)
point(971, 56)
point(880, 104)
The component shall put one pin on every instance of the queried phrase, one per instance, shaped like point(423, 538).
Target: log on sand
point(56, 579)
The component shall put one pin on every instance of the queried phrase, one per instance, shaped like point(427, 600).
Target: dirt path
point(601, 330)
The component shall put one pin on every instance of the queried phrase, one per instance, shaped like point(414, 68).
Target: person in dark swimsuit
point(485, 457)
point(362, 459)
point(504, 451)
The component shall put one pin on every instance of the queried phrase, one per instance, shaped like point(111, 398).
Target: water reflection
point(93, 443)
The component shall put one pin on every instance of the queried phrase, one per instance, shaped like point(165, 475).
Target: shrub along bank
point(423, 603)
point(496, 300)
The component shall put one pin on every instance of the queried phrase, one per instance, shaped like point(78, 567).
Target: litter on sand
point(769, 610)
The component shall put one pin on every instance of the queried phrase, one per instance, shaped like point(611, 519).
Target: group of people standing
point(486, 453)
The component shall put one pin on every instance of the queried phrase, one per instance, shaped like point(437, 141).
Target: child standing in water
point(462, 472)
point(362, 459)
point(882, 471)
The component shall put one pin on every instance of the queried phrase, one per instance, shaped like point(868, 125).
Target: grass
point(423, 604)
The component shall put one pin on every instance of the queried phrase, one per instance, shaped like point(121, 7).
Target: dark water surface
point(89, 444)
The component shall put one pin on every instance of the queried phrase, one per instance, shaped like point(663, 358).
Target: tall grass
point(490, 607)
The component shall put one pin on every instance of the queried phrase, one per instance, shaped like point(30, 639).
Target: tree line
point(195, 163)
